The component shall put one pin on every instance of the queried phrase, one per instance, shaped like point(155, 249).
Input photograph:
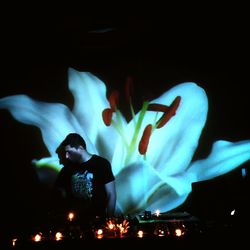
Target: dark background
point(209, 47)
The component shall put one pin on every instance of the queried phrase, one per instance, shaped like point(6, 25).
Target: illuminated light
point(58, 236)
point(14, 242)
point(233, 212)
point(157, 212)
point(37, 237)
point(99, 233)
point(140, 234)
point(161, 233)
point(161, 230)
point(178, 232)
point(123, 227)
point(243, 172)
point(110, 225)
point(71, 216)
point(163, 177)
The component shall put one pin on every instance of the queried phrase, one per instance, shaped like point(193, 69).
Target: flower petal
point(51, 162)
point(54, 120)
point(47, 170)
point(90, 100)
point(171, 147)
point(137, 179)
point(224, 157)
point(145, 190)
point(166, 199)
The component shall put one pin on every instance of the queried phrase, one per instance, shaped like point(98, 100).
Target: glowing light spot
point(58, 236)
point(157, 212)
point(178, 232)
point(99, 233)
point(71, 216)
point(37, 237)
point(140, 234)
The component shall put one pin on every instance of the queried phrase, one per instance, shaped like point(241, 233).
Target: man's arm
point(111, 198)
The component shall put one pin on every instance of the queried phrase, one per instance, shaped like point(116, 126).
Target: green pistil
point(132, 146)
point(119, 127)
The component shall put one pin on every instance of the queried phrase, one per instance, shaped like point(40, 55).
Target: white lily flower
point(151, 155)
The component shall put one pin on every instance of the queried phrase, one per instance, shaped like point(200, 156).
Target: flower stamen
point(107, 116)
point(108, 112)
point(143, 144)
point(113, 99)
point(158, 107)
point(169, 114)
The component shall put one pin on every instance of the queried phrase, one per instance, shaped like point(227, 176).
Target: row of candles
point(112, 228)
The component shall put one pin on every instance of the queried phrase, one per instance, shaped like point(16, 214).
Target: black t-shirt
point(84, 185)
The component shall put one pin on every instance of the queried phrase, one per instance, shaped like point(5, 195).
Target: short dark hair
point(74, 140)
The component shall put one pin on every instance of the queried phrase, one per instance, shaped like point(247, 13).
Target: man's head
point(70, 148)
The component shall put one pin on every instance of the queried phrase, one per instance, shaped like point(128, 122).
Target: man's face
point(73, 154)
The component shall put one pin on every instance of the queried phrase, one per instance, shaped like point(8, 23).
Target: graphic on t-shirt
point(82, 185)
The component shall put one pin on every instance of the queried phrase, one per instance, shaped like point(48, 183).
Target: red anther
point(157, 107)
point(143, 145)
point(107, 116)
point(168, 115)
point(113, 99)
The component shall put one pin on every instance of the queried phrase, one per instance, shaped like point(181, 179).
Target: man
point(86, 180)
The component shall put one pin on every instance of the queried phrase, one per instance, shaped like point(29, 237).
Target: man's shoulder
point(100, 159)
point(65, 170)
